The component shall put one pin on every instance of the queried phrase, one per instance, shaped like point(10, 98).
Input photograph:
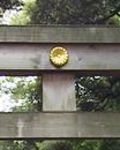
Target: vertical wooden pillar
point(59, 92)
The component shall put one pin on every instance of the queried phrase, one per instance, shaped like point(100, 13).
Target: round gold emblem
point(59, 56)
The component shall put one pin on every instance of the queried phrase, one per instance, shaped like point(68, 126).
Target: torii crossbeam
point(91, 51)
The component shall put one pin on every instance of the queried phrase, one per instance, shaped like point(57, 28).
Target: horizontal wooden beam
point(59, 125)
point(80, 73)
point(59, 34)
point(81, 57)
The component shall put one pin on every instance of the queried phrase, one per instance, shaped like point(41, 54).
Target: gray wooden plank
point(59, 34)
point(59, 92)
point(81, 57)
point(59, 125)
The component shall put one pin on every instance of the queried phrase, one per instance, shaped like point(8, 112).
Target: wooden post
point(59, 92)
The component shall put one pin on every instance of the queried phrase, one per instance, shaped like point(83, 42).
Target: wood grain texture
point(59, 92)
point(81, 57)
point(59, 125)
point(59, 34)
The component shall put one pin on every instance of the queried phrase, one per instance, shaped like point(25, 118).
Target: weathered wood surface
point(59, 34)
point(59, 125)
point(81, 57)
point(59, 92)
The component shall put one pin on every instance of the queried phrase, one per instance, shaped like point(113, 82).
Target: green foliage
point(55, 145)
point(98, 93)
point(18, 145)
point(68, 12)
point(110, 145)
point(114, 21)
point(30, 93)
point(10, 4)
point(22, 17)
point(26, 91)
point(74, 11)
point(99, 144)
point(85, 144)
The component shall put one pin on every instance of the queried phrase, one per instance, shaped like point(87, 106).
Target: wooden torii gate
point(90, 51)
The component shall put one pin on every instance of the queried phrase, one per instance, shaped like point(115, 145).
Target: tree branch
point(113, 13)
point(118, 14)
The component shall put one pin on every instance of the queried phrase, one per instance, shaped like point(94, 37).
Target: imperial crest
point(59, 56)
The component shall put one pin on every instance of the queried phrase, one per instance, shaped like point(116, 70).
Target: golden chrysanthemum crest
point(59, 56)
